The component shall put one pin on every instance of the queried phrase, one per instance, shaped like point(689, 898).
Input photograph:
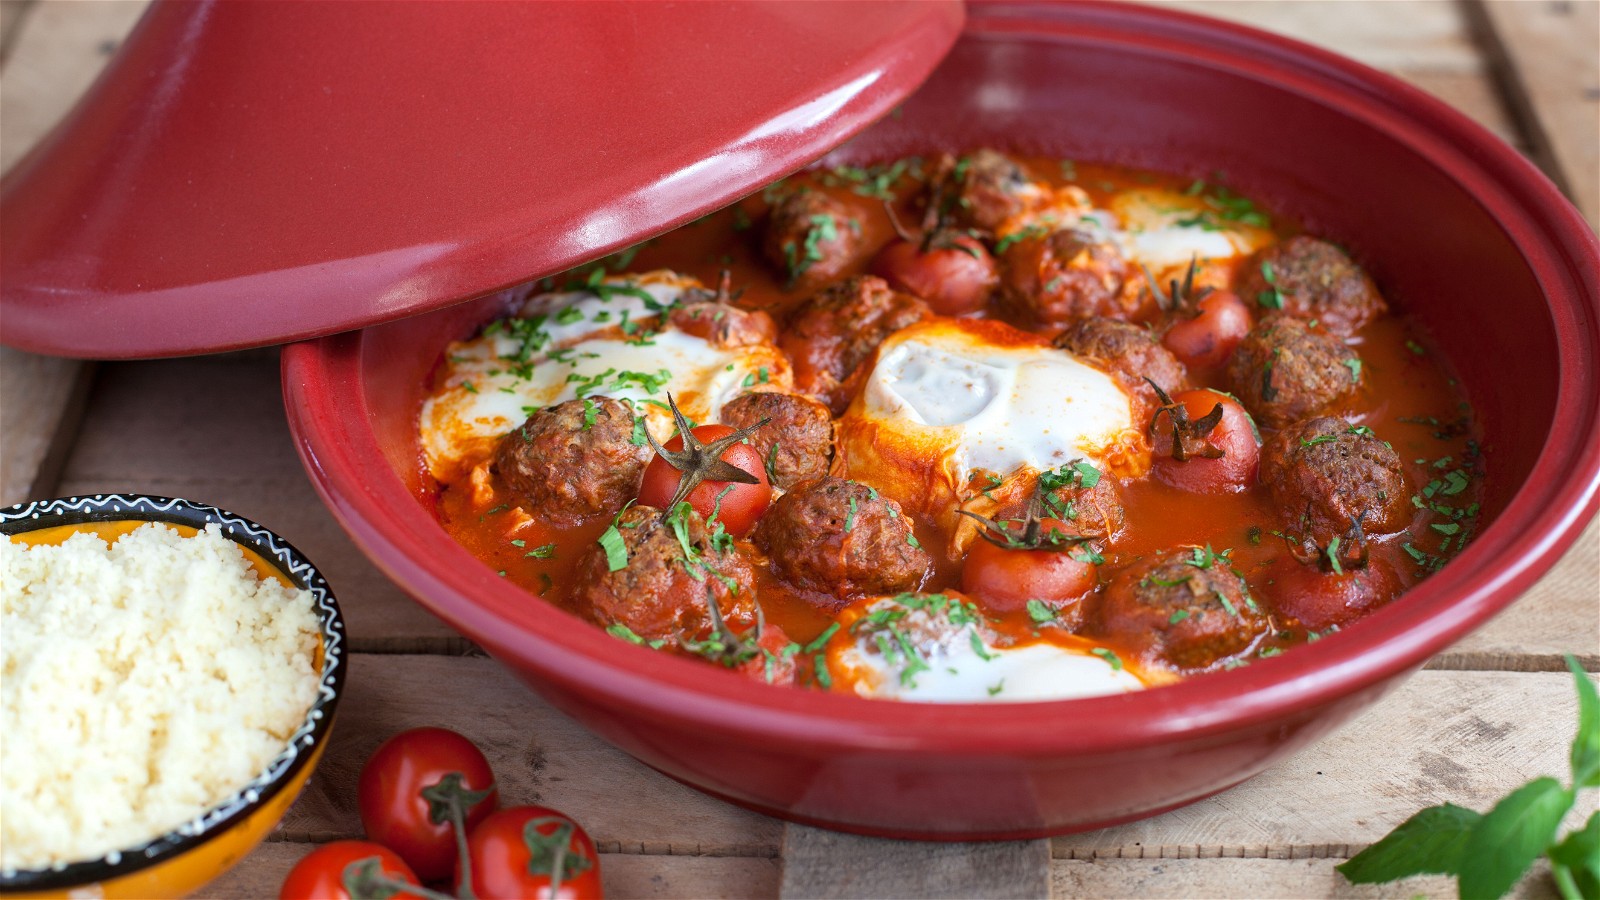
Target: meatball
point(842, 538)
point(837, 330)
point(1284, 371)
point(724, 325)
point(665, 581)
point(813, 238)
point(574, 460)
point(1132, 354)
point(1330, 479)
point(797, 445)
point(1050, 280)
point(1089, 505)
point(1312, 279)
point(1186, 608)
point(990, 188)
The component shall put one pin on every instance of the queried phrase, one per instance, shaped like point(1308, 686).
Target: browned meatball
point(664, 582)
point(1186, 608)
point(1331, 479)
point(813, 238)
point(1284, 371)
point(1312, 279)
point(842, 538)
point(989, 188)
point(1131, 353)
point(837, 330)
point(797, 445)
point(724, 325)
point(1050, 280)
point(1089, 504)
point(574, 460)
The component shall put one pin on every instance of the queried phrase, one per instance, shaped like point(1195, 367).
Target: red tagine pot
point(1467, 239)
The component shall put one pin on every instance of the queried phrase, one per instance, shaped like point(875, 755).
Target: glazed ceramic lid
point(252, 173)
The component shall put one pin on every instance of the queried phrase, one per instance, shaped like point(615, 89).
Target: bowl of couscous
point(169, 682)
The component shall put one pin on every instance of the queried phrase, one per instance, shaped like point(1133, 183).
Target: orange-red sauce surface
point(1407, 398)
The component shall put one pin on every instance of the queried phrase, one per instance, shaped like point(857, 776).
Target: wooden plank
point(1193, 879)
point(622, 876)
point(59, 50)
point(236, 453)
point(1387, 34)
point(12, 12)
point(1466, 738)
point(827, 864)
point(1547, 57)
point(538, 756)
point(41, 405)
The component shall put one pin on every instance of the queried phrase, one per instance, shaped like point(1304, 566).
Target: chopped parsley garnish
point(1354, 365)
point(1040, 612)
point(1111, 658)
point(616, 550)
point(590, 413)
point(543, 551)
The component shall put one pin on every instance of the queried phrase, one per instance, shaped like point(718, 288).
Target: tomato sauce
point(1407, 398)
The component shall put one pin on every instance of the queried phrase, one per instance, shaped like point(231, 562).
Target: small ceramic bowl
point(181, 861)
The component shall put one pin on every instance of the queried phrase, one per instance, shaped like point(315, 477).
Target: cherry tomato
point(321, 874)
point(771, 665)
point(1320, 599)
point(1235, 436)
point(1208, 339)
point(1006, 579)
point(738, 509)
point(394, 810)
point(517, 852)
point(956, 275)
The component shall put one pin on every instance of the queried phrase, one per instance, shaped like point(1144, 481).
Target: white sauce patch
point(981, 405)
point(492, 384)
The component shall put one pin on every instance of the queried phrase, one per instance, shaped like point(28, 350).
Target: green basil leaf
point(1511, 836)
point(1429, 842)
point(1575, 862)
point(1586, 746)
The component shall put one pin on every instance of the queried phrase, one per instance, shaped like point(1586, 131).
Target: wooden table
point(1483, 717)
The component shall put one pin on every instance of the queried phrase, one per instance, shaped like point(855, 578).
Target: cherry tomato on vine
point(739, 506)
point(955, 273)
point(330, 871)
point(1222, 460)
point(1004, 579)
point(408, 788)
point(532, 852)
point(1208, 339)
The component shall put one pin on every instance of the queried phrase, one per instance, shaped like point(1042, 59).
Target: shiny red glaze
point(319, 875)
point(500, 858)
point(393, 810)
point(1004, 580)
point(954, 280)
point(738, 509)
point(320, 167)
point(1207, 340)
point(1507, 270)
point(1234, 435)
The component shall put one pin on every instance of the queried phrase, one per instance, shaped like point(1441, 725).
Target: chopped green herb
point(1040, 612)
point(616, 550)
point(1114, 660)
point(543, 551)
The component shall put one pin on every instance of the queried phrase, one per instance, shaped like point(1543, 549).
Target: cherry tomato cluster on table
point(430, 809)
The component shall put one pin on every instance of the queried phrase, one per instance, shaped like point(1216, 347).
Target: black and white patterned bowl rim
point(302, 744)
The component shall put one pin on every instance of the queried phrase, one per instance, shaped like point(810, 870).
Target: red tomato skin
point(1003, 581)
point(1320, 600)
point(319, 875)
point(952, 280)
point(740, 508)
point(393, 810)
point(1207, 340)
point(1234, 471)
point(500, 859)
